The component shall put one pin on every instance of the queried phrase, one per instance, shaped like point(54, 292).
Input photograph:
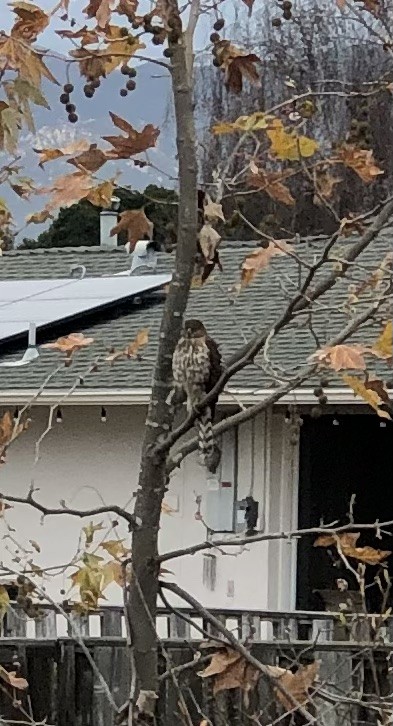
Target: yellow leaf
point(383, 347)
point(115, 548)
point(92, 561)
point(24, 59)
point(254, 122)
point(90, 530)
point(287, 145)
point(112, 572)
point(10, 125)
point(4, 601)
point(119, 49)
point(369, 395)
point(224, 127)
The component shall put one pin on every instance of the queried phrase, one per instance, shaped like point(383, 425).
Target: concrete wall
point(86, 462)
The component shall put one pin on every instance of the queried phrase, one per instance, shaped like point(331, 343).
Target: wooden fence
point(64, 691)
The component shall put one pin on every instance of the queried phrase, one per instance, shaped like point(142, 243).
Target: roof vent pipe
point(144, 257)
point(108, 220)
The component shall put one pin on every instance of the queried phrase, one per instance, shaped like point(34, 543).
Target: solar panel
point(45, 302)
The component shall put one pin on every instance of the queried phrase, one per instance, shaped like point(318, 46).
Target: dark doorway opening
point(341, 456)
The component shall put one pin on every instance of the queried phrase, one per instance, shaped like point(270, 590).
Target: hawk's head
point(194, 329)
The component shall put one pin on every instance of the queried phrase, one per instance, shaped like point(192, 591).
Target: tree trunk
point(153, 478)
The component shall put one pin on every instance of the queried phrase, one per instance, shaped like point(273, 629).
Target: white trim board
point(138, 396)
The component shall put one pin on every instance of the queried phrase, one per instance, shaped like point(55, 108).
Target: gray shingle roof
point(229, 317)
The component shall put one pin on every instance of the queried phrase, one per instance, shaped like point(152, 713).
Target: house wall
point(87, 462)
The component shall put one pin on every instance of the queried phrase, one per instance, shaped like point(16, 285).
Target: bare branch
point(239, 647)
point(50, 511)
point(270, 536)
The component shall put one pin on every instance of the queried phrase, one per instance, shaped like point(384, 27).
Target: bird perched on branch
point(196, 367)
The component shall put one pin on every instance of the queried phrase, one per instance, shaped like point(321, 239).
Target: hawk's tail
point(210, 453)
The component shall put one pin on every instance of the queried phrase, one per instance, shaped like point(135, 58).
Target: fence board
point(64, 689)
point(66, 686)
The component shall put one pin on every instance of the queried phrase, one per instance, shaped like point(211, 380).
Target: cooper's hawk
point(196, 367)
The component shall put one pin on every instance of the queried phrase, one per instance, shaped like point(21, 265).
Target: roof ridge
point(96, 249)
point(120, 249)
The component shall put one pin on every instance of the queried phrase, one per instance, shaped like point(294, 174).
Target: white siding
point(85, 462)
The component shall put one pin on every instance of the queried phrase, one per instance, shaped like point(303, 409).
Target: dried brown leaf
point(249, 4)
point(325, 184)
point(132, 349)
point(30, 23)
point(3, 507)
point(91, 160)
point(71, 188)
point(297, 684)
point(128, 8)
point(361, 161)
point(85, 34)
point(134, 142)
point(6, 428)
point(272, 184)
point(260, 259)
point(240, 68)
point(91, 62)
point(212, 211)
point(341, 357)
point(230, 670)
point(76, 147)
point(209, 239)
point(136, 224)
point(101, 195)
point(237, 65)
point(13, 680)
point(346, 542)
point(38, 217)
point(100, 10)
point(70, 343)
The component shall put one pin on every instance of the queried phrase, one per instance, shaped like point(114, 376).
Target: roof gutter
point(140, 396)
